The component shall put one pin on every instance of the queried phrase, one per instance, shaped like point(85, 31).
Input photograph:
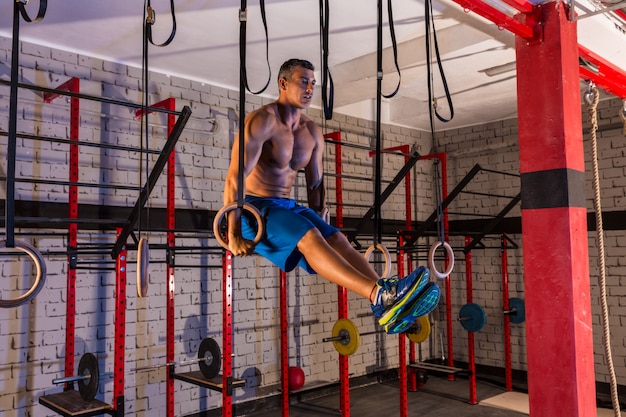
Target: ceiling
point(206, 48)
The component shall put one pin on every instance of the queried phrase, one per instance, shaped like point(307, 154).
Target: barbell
point(88, 378)
point(473, 317)
point(346, 337)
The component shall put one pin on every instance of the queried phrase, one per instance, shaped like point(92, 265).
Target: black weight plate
point(88, 366)
point(472, 317)
point(517, 304)
point(209, 358)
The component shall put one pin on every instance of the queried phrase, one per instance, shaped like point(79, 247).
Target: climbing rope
point(592, 98)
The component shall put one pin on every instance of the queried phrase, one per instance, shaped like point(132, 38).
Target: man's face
point(299, 88)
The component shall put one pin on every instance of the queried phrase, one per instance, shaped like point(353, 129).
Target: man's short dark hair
point(286, 70)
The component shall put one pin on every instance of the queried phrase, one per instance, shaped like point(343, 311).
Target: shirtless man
point(278, 142)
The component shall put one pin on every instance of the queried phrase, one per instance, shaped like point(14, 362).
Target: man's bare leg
point(330, 264)
point(340, 243)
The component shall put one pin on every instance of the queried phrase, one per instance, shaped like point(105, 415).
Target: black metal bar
point(92, 98)
point(487, 194)
point(493, 223)
point(366, 148)
point(78, 184)
point(82, 143)
point(352, 177)
point(154, 176)
point(446, 202)
point(385, 194)
point(12, 140)
point(493, 171)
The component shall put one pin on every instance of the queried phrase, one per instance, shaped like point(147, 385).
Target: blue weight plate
point(472, 317)
point(517, 304)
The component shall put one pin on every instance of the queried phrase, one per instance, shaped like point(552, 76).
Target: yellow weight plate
point(350, 338)
point(420, 330)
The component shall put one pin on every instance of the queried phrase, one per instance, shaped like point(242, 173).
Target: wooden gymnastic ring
point(143, 264)
point(227, 209)
point(385, 252)
point(431, 259)
point(40, 276)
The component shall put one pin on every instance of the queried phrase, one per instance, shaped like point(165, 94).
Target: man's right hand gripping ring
point(221, 215)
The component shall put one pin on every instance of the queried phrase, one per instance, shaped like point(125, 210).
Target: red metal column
point(508, 373)
point(120, 331)
point(227, 333)
point(554, 226)
point(471, 359)
point(342, 293)
point(402, 363)
point(284, 344)
point(72, 230)
point(170, 104)
point(170, 212)
point(443, 159)
point(72, 85)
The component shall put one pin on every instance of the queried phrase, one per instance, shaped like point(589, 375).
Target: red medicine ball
point(296, 378)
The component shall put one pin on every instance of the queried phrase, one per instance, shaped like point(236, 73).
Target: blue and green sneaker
point(425, 302)
point(395, 295)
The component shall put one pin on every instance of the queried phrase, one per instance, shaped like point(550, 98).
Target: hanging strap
point(394, 45)
point(243, 18)
point(328, 87)
point(151, 19)
point(430, 21)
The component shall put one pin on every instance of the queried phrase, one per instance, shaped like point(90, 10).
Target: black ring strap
point(243, 17)
point(43, 7)
point(328, 87)
point(430, 21)
point(150, 20)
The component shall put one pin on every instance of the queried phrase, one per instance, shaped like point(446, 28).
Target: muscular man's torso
point(283, 155)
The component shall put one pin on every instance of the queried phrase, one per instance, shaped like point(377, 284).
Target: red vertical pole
point(120, 331)
point(342, 293)
point(443, 159)
point(554, 221)
point(70, 319)
point(444, 194)
point(71, 85)
point(402, 359)
point(284, 344)
point(508, 373)
point(471, 359)
point(227, 333)
point(170, 104)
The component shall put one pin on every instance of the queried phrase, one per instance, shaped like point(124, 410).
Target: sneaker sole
point(393, 311)
point(426, 302)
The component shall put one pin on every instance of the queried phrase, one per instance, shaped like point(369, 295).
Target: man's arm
point(256, 130)
point(314, 172)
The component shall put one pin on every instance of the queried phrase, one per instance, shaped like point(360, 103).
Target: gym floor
point(438, 397)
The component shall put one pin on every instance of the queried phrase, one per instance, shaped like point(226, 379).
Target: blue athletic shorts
point(286, 222)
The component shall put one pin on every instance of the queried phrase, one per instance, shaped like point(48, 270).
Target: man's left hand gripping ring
point(221, 215)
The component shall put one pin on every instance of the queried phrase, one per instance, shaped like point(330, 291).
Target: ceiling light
point(499, 69)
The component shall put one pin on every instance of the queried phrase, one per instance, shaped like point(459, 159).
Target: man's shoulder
point(310, 125)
